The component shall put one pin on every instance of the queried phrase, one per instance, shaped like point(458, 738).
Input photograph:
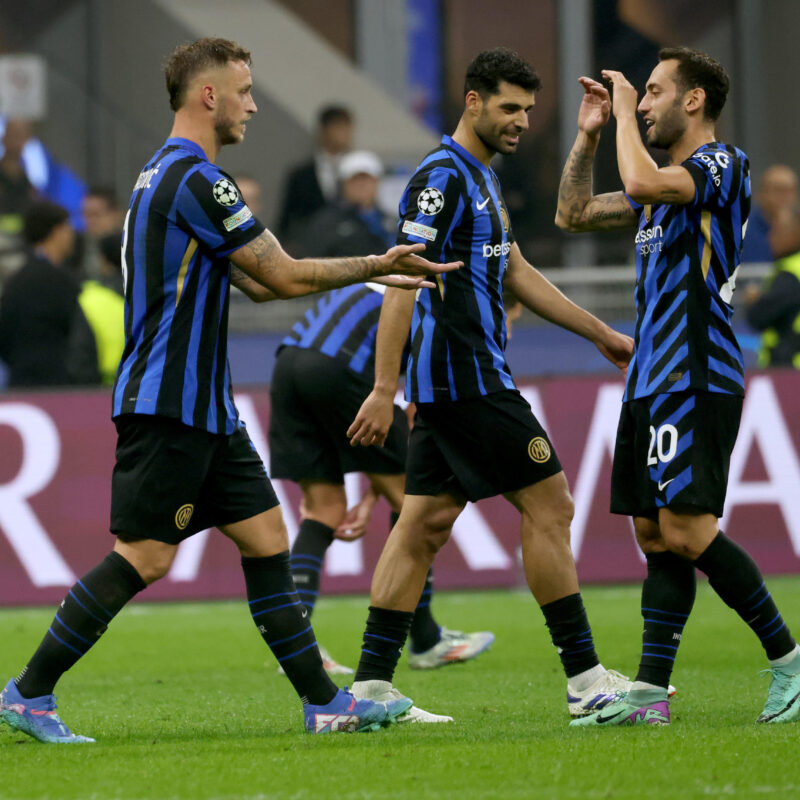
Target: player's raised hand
point(595, 108)
point(624, 96)
point(372, 423)
point(404, 259)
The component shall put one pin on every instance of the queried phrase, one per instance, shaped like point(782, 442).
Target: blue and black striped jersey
point(687, 257)
point(453, 205)
point(185, 217)
point(342, 324)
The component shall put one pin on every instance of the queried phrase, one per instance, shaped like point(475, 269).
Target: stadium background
point(399, 65)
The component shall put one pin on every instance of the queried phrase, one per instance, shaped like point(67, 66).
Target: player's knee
point(553, 520)
point(435, 532)
point(648, 535)
point(154, 569)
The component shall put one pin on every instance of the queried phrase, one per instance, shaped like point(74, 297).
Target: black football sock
point(425, 633)
point(81, 620)
point(734, 576)
point(668, 594)
point(569, 629)
point(283, 623)
point(308, 554)
point(384, 638)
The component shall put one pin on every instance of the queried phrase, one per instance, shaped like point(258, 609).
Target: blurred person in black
point(315, 182)
point(352, 223)
point(44, 337)
point(16, 192)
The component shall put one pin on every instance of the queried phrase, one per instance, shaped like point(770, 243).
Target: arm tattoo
point(239, 278)
point(609, 211)
point(575, 188)
point(268, 265)
point(580, 208)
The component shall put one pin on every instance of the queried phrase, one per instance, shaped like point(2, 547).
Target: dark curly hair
point(188, 59)
point(698, 70)
point(500, 64)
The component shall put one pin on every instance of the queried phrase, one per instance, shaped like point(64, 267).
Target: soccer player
point(184, 460)
point(685, 385)
point(474, 435)
point(330, 353)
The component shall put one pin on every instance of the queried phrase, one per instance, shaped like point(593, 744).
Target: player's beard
point(492, 141)
point(226, 128)
point(669, 128)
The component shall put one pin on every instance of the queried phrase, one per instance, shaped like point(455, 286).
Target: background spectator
point(103, 304)
point(312, 184)
point(102, 215)
point(16, 192)
point(44, 337)
point(352, 224)
point(775, 311)
point(773, 230)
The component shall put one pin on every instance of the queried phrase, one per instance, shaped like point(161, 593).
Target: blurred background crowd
point(351, 94)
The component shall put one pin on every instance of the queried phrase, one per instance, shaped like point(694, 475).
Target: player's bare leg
point(423, 528)
point(547, 508)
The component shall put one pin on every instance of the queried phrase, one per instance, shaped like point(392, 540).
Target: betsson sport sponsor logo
point(645, 240)
point(495, 250)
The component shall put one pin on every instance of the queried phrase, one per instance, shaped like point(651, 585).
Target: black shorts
point(478, 448)
point(315, 399)
point(674, 450)
point(171, 480)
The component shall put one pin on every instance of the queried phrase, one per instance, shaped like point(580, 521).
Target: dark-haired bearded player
point(685, 386)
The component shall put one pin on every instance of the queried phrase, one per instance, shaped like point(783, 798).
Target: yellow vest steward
point(105, 311)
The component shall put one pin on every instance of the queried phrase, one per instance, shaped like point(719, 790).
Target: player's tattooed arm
point(266, 262)
point(254, 290)
point(579, 209)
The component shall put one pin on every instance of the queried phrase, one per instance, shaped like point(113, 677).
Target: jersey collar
point(186, 144)
point(465, 154)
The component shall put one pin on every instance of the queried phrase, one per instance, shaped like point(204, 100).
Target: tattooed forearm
point(322, 274)
point(263, 266)
point(575, 188)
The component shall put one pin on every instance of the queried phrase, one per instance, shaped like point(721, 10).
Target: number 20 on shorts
point(663, 444)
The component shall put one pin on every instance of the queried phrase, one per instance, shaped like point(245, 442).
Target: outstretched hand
point(595, 108)
point(404, 259)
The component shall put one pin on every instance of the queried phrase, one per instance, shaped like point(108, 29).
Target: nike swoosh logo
point(662, 486)
point(304, 613)
point(481, 206)
point(601, 718)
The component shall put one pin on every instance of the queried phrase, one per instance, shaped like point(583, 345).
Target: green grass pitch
point(185, 702)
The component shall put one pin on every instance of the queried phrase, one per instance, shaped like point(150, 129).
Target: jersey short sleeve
point(637, 207)
point(716, 172)
point(430, 209)
point(210, 206)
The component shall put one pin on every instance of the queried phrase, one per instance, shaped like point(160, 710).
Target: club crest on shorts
point(539, 450)
point(183, 515)
point(430, 201)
